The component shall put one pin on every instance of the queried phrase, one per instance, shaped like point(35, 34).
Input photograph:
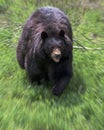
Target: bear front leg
point(33, 71)
point(60, 86)
point(34, 75)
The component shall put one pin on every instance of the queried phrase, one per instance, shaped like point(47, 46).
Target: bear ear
point(44, 35)
point(62, 33)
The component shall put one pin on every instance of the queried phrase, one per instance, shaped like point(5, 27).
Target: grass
point(24, 106)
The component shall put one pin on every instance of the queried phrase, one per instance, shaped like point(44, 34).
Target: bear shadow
point(70, 97)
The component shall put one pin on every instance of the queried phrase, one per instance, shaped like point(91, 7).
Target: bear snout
point(56, 54)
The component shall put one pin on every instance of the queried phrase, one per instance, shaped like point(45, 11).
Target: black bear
point(45, 48)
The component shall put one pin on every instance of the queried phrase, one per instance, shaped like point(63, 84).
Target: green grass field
point(24, 106)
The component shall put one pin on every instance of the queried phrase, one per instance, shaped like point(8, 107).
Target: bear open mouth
point(56, 60)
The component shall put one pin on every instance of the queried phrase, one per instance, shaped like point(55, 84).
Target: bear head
point(56, 47)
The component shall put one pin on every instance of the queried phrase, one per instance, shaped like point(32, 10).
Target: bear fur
point(45, 48)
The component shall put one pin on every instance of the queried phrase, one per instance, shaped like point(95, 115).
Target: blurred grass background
point(30, 107)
